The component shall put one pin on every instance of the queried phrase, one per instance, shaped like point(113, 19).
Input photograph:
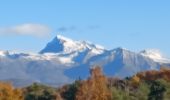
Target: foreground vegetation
point(149, 85)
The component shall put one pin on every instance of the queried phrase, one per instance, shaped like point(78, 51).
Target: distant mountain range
point(64, 60)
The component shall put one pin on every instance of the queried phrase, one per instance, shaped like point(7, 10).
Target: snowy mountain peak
point(61, 44)
point(152, 52)
point(63, 60)
point(120, 50)
point(155, 54)
point(3, 53)
point(64, 39)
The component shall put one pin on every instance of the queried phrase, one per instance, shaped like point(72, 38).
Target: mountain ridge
point(64, 60)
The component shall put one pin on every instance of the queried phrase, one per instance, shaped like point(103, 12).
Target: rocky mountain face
point(64, 60)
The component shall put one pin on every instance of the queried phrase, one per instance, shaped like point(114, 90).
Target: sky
point(27, 25)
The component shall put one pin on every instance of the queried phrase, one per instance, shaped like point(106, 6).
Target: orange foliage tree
point(163, 73)
point(135, 80)
point(7, 92)
point(95, 88)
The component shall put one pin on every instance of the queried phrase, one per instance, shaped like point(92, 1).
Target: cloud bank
point(37, 30)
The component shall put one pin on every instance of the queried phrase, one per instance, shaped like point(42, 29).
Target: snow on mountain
point(3, 53)
point(62, 44)
point(47, 69)
point(118, 62)
point(78, 51)
point(156, 55)
point(63, 60)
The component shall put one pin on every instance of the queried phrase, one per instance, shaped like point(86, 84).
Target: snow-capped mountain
point(117, 62)
point(3, 53)
point(24, 69)
point(63, 60)
point(155, 55)
point(65, 45)
point(78, 51)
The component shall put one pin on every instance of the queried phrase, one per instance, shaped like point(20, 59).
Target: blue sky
point(132, 24)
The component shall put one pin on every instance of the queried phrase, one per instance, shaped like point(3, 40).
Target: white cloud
point(26, 29)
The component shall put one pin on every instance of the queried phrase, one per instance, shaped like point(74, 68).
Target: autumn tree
point(151, 75)
point(8, 92)
point(58, 97)
point(95, 88)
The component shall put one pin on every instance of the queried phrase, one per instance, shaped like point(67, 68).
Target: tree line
point(147, 85)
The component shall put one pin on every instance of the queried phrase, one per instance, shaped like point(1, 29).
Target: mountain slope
point(62, 44)
point(155, 55)
point(117, 62)
point(63, 60)
point(78, 51)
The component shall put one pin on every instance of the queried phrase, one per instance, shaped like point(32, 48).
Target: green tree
point(39, 92)
point(157, 91)
point(69, 92)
